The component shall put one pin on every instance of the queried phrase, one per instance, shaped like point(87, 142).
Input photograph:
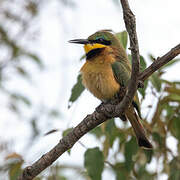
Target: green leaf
point(67, 131)
point(94, 163)
point(143, 174)
point(156, 81)
point(121, 171)
point(110, 125)
point(131, 149)
point(122, 138)
point(171, 98)
point(15, 170)
point(111, 131)
point(34, 126)
point(174, 97)
point(60, 178)
point(22, 72)
point(54, 176)
point(170, 111)
point(22, 98)
point(37, 178)
point(176, 82)
point(97, 131)
point(121, 175)
point(122, 36)
point(111, 134)
point(83, 57)
point(174, 169)
point(142, 91)
point(176, 127)
point(76, 91)
point(149, 155)
point(172, 90)
point(159, 139)
point(143, 64)
point(36, 59)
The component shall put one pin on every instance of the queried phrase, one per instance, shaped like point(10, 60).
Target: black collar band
point(93, 53)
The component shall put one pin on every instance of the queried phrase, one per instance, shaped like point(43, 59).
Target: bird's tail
point(138, 128)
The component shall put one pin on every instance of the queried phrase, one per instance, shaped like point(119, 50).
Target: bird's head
point(96, 42)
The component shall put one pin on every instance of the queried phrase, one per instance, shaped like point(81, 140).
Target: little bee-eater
point(106, 69)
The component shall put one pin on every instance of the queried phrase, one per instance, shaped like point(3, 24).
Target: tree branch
point(104, 111)
point(130, 23)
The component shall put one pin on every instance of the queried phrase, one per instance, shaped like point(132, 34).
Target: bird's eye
point(100, 39)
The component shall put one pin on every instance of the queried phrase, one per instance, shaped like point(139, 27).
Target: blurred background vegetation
point(35, 85)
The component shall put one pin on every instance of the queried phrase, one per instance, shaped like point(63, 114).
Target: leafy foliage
point(94, 163)
point(76, 90)
point(130, 150)
point(122, 36)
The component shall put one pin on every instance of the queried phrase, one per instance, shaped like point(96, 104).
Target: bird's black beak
point(79, 41)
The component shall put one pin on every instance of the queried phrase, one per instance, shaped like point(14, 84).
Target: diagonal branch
point(105, 111)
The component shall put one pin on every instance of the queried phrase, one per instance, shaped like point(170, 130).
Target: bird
point(106, 71)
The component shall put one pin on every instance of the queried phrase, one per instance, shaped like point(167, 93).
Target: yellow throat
point(89, 47)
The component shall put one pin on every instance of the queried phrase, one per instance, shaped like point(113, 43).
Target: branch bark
point(130, 23)
point(105, 111)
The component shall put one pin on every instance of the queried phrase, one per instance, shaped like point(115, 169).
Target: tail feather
point(138, 129)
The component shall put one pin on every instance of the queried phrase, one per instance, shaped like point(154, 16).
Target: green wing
point(122, 76)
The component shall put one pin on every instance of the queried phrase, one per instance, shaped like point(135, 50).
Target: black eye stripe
point(101, 41)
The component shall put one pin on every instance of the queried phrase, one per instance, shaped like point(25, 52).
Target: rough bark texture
point(104, 111)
